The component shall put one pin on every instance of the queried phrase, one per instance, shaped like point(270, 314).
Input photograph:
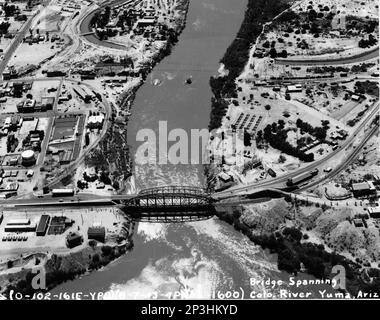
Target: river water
point(193, 259)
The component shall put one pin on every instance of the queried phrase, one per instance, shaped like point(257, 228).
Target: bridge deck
point(170, 202)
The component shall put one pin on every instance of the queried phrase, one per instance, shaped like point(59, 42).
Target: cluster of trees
point(369, 87)
point(274, 54)
point(356, 23)
point(125, 19)
point(363, 67)
point(106, 33)
point(12, 143)
point(4, 26)
point(103, 177)
point(292, 251)
point(288, 16)
point(101, 19)
point(218, 111)
point(88, 178)
point(365, 43)
point(328, 69)
point(82, 184)
point(318, 132)
point(276, 135)
point(10, 9)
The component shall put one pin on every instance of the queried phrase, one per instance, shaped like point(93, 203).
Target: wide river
point(194, 258)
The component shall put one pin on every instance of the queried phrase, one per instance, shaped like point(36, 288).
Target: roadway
point(351, 158)
point(54, 113)
point(16, 42)
point(95, 142)
point(370, 54)
point(281, 180)
point(87, 32)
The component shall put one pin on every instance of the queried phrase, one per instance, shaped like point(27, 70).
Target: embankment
point(296, 254)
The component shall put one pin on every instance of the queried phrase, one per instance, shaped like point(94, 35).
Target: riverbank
point(58, 268)
point(273, 228)
point(224, 87)
point(258, 13)
point(114, 151)
point(56, 257)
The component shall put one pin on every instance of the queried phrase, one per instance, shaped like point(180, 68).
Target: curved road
point(87, 33)
point(371, 54)
point(343, 165)
point(282, 179)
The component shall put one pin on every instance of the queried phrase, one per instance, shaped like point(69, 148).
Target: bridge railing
point(173, 190)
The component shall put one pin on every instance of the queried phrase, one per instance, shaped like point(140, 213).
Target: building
point(294, 88)
point(73, 239)
point(27, 106)
point(224, 177)
point(358, 223)
point(55, 73)
point(355, 97)
point(43, 225)
point(83, 93)
point(66, 157)
point(97, 233)
point(47, 103)
point(146, 22)
point(20, 225)
point(363, 189)
point(62, 192)
point(374, 212)
point(95, 122)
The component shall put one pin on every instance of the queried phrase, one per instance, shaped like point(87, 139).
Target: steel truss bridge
point(170, 204)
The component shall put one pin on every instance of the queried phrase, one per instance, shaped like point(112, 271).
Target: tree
point(281, 159)
point(87, 139)
point(273, 53)
point(267, 107)
point(116, 185)
point(247, 139)
point(284, 54)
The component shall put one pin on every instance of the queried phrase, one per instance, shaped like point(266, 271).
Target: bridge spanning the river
point(170, 204)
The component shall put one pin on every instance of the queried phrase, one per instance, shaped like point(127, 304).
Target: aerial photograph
point(189, 150)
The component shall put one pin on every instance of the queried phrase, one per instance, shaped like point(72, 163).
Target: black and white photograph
point(189, 158)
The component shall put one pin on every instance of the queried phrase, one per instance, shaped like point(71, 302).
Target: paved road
point(346, 163)
point(94, 143)
point(16, 42)
point(82, 199)
point(86, 31)
point(273, 183)
point(371, 54)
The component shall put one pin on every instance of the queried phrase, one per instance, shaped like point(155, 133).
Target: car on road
point(60, 200)
point(327, 170)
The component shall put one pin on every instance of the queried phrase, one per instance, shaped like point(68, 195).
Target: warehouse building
point(43, 225)
point(20, 225)
point(83, 93)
